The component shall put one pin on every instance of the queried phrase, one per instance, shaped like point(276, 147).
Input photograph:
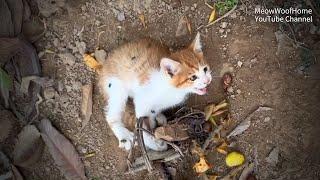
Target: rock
point(266, 119)
point(230, 89)
point(121, 16)
point(56, 42)
point(67, 58)
point(60, 86)
point(81, 46)
point(273, 157)
point(239, 64)
point(233, 15)
point(100, 55)
point(223, 25)
point(82, 149)
point(221, 31)
point(49, 93)
point(238, 91)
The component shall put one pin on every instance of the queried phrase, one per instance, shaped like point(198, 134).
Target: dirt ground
point(261, 78)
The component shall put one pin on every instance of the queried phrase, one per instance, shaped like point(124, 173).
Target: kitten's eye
point(205, 69)
point(193, 78)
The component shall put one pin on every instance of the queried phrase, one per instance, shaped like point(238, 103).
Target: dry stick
point(142, 145)
point(211, 135)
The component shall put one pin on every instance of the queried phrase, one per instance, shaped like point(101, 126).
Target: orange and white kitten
point(155, 78)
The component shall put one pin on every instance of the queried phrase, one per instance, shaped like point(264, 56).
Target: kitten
point(155, 78)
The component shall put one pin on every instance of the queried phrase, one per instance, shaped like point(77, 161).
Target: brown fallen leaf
point(183, 27)
point(86, 104)
point(91, 62)
point(29, 147)
point(223, 148)
point(16, 174)
point(226, 80)
point(62, 151)
point(212, 16)
point(202, 166)
point(172, 132)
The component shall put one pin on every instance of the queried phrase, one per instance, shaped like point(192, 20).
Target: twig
point(98, 39)
point(211, 135)
point(225, 15)
point(142, 145)
point(40, 99)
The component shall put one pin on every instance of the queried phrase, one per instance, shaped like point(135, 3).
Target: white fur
point(197, 46)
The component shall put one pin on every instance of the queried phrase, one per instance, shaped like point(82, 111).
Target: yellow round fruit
point(234, 159)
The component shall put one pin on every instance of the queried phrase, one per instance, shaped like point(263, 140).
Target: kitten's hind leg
point(116, 105)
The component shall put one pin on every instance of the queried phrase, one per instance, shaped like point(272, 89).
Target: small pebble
point(223, 25)
point(267, 119)
point(238, 91)
point(121, 16)
point(49, 93)
point(239, 63)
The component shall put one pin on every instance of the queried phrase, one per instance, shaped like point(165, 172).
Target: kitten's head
point(187, 69)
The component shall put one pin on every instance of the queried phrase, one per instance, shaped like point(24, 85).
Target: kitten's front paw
point(161, 119)
point(156, 144)
point(126, 141)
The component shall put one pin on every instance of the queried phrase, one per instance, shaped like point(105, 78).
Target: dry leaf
point(201, 166)
point(212, 16)
point(221, 105)
point(219, 112)
point(189, 26)
point(172, 132)
point(86, 104)
point(223, 148)
point(62, 151)
point(183, 27)
point(208, 111)
point(213, 177)
point(29, 147)
point(196, 149)
point(143, 20)
point(246, 171)
point(91, 62)
point(243, 126)
point(89, 155)
point(16, 174)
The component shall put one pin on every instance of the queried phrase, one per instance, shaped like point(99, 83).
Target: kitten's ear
point(196, 45)
point(170, 66)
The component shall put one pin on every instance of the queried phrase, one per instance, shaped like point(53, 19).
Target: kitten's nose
point(207, 81)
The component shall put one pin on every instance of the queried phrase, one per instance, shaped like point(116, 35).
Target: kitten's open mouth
point(201, 91)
